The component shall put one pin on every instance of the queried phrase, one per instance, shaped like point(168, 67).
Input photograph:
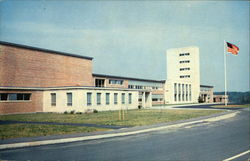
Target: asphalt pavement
point(203, 141)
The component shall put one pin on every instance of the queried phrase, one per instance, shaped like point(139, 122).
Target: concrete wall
point(80, 100)
point(35, 104)
point(21, 67)
point(174, 72)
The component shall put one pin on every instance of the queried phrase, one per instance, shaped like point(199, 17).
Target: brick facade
point(24, 67)
point(35, 104)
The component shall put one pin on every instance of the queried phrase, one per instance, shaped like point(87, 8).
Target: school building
point(41, 80)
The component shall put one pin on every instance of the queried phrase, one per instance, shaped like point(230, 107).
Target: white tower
point(183, 75)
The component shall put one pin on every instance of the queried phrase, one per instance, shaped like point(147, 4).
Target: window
point(179, 88)
point(98, 98)
point(53, 99)
point(182, 88)
point(89, 99)
point(114, 81)
point(175, 88)
point(15, 96)
point(130, 98)
point(123, 98)
point(115, 98)
point(107, 98)
point(3, 97)
point(185, 76)
point(130, 86)
point(184, 69)
point(69, 99)
point(184, 61)
point(99, 82)
point(184, 54)
point(175, 97)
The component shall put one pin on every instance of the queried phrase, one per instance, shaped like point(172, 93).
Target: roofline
point(129, 78)
point(68, 88)
point(44, 50)
point(206, 86)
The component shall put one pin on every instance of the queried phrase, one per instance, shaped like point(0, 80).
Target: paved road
point(208, 141)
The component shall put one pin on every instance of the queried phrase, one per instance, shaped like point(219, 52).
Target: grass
point(132, 117)
point(30, 130)
point(232, 106)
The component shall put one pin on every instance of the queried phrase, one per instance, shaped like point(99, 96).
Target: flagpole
point(225, 70)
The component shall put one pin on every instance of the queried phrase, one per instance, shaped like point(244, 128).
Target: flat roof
point(12, 88)
point(44, 50)
point(129, 78)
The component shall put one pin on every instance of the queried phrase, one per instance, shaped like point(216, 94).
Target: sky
point(130, 38)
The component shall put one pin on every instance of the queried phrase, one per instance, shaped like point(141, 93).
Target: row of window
point(184, 54)
point(182, 88)
point(184, 61)
point(98, 98)
point(182, 97)
point(15, 96)
point(183, 69)
point(142, 87)
point(185, 76)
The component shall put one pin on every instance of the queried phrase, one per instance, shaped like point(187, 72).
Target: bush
point(95, 111)
point(72, 112)
point(65, 112)
point(79, 113)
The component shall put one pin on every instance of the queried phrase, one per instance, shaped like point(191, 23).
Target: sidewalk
point(55, 139)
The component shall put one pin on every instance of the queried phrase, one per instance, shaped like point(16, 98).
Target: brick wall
point(23, 67)
point(33, 105)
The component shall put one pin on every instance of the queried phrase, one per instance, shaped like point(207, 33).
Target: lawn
point(132, 118)
point(29, 130)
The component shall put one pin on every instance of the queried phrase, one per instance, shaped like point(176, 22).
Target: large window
point(123, 98)
point(107, 98)
point(89, 99)
point(53, 99)
point(99, 82)
point(115, 98)
point(130, 98)
point(98, 98)
point(15, 96)
point(175, 88)
point(69, 99)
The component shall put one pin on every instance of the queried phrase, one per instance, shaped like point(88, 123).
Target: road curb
point(94, 137)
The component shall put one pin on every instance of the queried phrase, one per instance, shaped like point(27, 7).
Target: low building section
point(220, 98)
point(155, 88)
point(66, 99)
point(206, 94)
